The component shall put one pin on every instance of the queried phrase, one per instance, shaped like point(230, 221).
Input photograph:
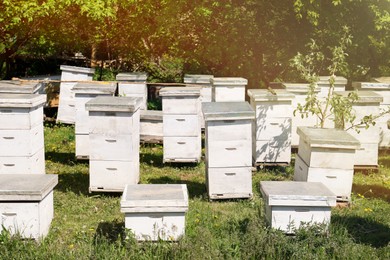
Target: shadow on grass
point(150, 158)
point(195, 189)
point(364, 230)
point(77, 183)
point(64, 158)
point(372, 191)
point(110, 231)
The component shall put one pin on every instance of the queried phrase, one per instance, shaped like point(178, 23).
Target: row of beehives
point(235, 175)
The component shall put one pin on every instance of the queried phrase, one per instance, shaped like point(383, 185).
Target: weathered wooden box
point(228, 89)
point(133, 84)
point(114, 142)
point(21, 134)
point(70, 75)
point(228, 149)
point(155, 211)
point(289, 205)
point(26, 204)
point(83, 93)
point(181, 124)
point(272, 127)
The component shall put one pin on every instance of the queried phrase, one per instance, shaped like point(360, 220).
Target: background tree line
point(248, 38)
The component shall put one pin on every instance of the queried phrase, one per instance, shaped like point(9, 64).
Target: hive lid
point(75, 69)
point(154, 198)
point(156, 115)
point(22, 100)
point(298, 87)
point(337, 81)
point(197, 79)
point(132, 76)
point(294, 193)
point(328, 138)
point(180, 91)
point(214, 111)
point(365, 96)
point(231, 81)
point(382, 79)
point(95, 88)
point(26, 187)
point(267, 95)
point(19, 87)
point(113, 104)
point(371, 85)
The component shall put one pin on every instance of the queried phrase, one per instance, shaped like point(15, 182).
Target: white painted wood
point(229, 182)
point(229, 130)
point(30, 219)
point(34, 164)
point(149, 226)
point(181, 105)
point(111, 147)
point(151, 125)
point(272, 151)
point(367, 154)
point(21, 142)
point(229, 93)
point(20, 118)
point(182, 149)
point(155, 211)
point(181, 125)
point(112, 175)
point(269, 128)
point(318, 157)
point(339, 181)
point(233, 153)
point(101, 122)
point(82, 146)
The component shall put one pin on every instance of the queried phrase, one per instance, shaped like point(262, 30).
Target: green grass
point(90, 226)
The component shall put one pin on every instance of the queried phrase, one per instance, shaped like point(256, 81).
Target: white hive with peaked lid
point(181, 124)
point(272, 126)
point(225, 89)
point(26, 203)
point(327, 156)
point(228, 149)
point(21, 134)
point(114, 137)
point(155, 211)
point(70, 76)
point(85, 91)
point(290, 204)
point(133, 84)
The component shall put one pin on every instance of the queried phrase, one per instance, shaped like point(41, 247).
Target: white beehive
point(83, 93)
point(228, 89)
point(290, 204)
point(21, 134)
point(26, 204)
point(272, 127)
point(367, 104)
point(203, 81)
point(383, 89)
point(155, 211)
point(114, 142)
point(228, 149)
point(181, 124)
point(324, 85)
point(327, 156)
point(70, 75)
point(133, 84)
point(151, 127)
